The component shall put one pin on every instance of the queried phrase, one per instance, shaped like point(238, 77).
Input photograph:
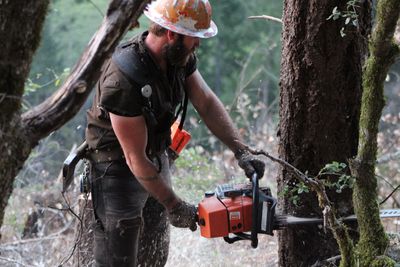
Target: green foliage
point(68, 28)
point(337, 178)
point(195, 174)
point(32, 85)
point(244, 75)
point(294, 192)
point(383, 261)
point(241, 64)
point(336, 169)
point(349, 15)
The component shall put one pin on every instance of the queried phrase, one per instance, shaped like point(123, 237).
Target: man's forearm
point(159, 189)
point(151, 180)
point(220, 124)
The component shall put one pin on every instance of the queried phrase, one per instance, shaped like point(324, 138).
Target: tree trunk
point(20, 27)
point(319, 111)
point(382, 54)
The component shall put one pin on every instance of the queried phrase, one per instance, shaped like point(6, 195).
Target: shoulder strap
point(185, 103)
point(132, 62)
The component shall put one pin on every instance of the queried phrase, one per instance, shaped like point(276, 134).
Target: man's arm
point(132, 136)
point(212, 111)
point(220, 124)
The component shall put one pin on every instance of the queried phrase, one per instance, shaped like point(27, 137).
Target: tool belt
point(108, 154)
point(93, 155)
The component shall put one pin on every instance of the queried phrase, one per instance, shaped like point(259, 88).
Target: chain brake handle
point(268, 225)
point(254, 227)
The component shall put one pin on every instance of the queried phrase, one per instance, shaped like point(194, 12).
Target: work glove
point(250, 163)
point(184, 215)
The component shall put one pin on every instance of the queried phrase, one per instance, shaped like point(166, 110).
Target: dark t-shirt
point(119, 91)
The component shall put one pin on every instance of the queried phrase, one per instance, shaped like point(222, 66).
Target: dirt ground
point(190, 249)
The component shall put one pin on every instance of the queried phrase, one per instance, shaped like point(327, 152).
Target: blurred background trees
point(241, 64)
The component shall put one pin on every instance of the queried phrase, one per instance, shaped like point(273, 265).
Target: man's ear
point(171, 36)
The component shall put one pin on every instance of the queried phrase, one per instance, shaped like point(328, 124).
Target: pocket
point(124, 198)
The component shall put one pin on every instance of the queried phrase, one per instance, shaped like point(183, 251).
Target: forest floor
point(190, 249)
point(196, 172)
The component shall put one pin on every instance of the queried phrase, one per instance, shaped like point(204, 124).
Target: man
point(141, 92)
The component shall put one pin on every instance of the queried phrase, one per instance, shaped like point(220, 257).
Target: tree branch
point(266, 17)
point(382, 53)
point(67, 100)
point(338, 229)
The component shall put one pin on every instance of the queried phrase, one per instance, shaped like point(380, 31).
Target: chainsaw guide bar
point(286, 220)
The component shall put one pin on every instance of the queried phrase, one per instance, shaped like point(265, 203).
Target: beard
point(177, 54)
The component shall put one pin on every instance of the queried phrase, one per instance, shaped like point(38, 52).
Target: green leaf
point(295, 200)
point(335, 14)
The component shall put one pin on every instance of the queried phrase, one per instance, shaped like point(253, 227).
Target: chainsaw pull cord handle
point(254, 223)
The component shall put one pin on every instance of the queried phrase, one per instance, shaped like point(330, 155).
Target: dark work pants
point(131, 228)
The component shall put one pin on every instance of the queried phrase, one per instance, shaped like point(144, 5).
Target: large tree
point(321, 86)
point(21, 24)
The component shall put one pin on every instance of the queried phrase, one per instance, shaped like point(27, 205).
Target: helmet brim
point(203, 33)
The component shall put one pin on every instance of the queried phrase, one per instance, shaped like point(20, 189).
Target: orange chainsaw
point(241, 212)
point(236, 209)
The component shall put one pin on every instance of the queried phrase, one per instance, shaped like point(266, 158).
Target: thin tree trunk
point(21, 23)
point(382, 55)
point(319, 111)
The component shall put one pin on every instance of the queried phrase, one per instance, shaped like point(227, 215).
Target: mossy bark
point(373, 241)
point(346, 248)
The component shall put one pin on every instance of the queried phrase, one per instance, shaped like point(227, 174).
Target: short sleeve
point(191, 66)
point(119, 95)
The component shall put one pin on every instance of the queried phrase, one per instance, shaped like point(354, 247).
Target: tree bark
point(20, 27)
point(21, 24)
point(383, 52)
point(319, 111)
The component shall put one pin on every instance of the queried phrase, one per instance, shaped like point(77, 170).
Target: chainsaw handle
point(256, 197)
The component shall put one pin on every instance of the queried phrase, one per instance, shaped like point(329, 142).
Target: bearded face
point(177, 54)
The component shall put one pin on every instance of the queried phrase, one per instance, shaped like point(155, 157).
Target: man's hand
point(183, 215)
point(250, 163)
